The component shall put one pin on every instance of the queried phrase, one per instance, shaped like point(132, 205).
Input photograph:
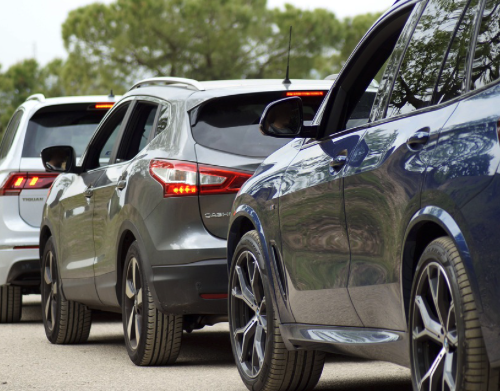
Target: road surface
point(29, 362)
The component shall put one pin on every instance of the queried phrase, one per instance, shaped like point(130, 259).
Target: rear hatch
point(226, 131)
point(66, 124)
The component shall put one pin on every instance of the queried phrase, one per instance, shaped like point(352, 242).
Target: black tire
point(65, 322)
point(11, 304)
point(151, 337)
point(262, 359)
point(446, 344)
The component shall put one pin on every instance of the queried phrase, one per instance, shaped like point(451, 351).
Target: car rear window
point(231, 124)
point(67, 126)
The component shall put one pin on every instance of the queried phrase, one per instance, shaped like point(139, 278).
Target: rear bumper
point(14, 232)
point(180, 288)
point(20, 267)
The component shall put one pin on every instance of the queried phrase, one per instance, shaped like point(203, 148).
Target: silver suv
point(24, 184)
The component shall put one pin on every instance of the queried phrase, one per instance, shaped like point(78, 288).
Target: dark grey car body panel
point(183, 250)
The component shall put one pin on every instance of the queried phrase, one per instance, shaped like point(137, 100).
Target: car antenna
point(111, 95)
point(287, 80)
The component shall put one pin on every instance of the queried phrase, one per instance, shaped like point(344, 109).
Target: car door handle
point(338, 162)
point(419, 138)
point(89, 192)
point(121, 184)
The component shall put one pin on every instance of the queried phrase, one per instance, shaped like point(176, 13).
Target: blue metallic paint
point(462, 179)
point(382, 184)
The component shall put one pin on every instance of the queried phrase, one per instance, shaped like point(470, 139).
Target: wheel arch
point(426, 225)
point(45, 234)
point(239, 227)
point(128, 235)
point(245, 219)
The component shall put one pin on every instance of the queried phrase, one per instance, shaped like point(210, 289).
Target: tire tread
point(163, 338)
point(10, 304)
point(161, 341)
point(288, 370)
point(73, 320)
point(477, 372)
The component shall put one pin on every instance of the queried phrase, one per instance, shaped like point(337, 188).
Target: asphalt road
point(29, 362)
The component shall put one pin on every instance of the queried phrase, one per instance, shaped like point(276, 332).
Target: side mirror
point(59, 158)
point(284, 119)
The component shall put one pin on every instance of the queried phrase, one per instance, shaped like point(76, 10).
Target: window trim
point(385, 105)
point(96, 138)
point(336, 106)
point(126, 132)
point(470, 52)
point(472, 47)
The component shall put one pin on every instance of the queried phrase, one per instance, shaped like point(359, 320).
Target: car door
point(109, 193)
point(315, 241)
point(382, 188)
point(315, 247)
point(77, 250)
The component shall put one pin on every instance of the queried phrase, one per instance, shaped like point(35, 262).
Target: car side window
point(451, 82)
point(139, 130)
point(419, 71)
point(100, 153)
point(369, 58)
point(163, 119)
point(486, 64)
point(10, 133)
point(392, 65)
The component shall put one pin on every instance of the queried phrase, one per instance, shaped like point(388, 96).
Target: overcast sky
point(32, 28)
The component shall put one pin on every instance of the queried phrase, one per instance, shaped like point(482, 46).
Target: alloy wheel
point(133, 303)
point(249, 314)
point(50, 290)
point(435, 341)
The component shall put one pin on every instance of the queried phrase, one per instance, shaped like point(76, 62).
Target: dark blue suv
point(380, 240)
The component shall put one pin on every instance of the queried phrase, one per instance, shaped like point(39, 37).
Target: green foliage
point(353, 29)
point(208, 39)
point(16, 84)
point(112, 46)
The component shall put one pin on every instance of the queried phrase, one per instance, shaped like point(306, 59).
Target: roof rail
point(333, 76)
point(38, 97)
point(169, 80)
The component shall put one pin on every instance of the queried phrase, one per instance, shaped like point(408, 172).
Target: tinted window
point(414, 86)
point(392, 64)
point(10, 133)
point(487, 53)
point(231, 124)
point(452, 81)
point(139, 129)
point(107, 137)
point(70, 127)
point(163, 120)
point(362, 111)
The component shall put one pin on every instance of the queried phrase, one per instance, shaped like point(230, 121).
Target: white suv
point(24, 184)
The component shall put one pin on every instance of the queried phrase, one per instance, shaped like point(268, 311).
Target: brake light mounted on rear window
point(187, 179)
point(305, 93)
point(101, 106)
point(19, 181)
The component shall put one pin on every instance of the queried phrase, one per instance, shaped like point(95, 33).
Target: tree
point(191, 38)
point(200, 39)
point(353, 29)
point(112, 46)
point(16, 84)
point(24, 79)
point(316, 34)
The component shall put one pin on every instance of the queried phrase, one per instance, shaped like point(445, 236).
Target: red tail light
point(18, 181)
point(187, 179)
